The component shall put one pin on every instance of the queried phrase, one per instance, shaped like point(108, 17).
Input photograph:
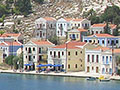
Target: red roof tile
point(101, 35)
point(98, 25)
point(80, 19)
point(102, 48)
point(2, 44)
point(82, 30)
point(71, 45)
point(10, 35)
point(116, 50)
point(13, 43)
point(42, 42)
point(49, 18)
point(68, 19)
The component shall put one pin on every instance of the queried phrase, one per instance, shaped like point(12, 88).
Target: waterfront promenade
point(63, 74)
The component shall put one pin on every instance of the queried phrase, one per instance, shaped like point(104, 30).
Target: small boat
point(104, 80)
point(91, 79)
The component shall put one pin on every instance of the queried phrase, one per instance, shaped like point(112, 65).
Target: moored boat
point(91, 78)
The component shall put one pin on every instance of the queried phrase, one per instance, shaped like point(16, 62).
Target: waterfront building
point(10, 48)
point(70, 55)
point(98, 60)
point(101, 60)
point(1, 56)
point(105, 40)
point(76, 34)
point(101, 27)
point(45, 27)
point(35, 52)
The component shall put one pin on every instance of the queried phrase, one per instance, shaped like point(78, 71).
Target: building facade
point(99, 61)
point(105, 40)
point(35, 52)
point(45, 27)
point(76, 34)
point(70, 55)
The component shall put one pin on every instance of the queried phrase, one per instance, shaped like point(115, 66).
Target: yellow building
point(76, 34)
point(76, 57)
point(70, 55)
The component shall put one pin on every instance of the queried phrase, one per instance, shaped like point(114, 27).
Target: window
point(90, 41)
point(97, 57)
point(92, 68)
point(107, 60)
point(69, 53)
point(85, 40)
point(50, 52)
point(88, 58)
point(34, 57)
point(78, 25)
point(68, 66)
point(77, 35)
point(111, 58)
point(108, 41)
point(81, 52)
point(103, 59)
point(62, 53)
point(40, 50)
point(29, 50)
point(92, 58)
point(102, 41)
point(26, 49)
point(26, 57)
point(81, 65)
point(98, 41)
point(33, 49)
point(75, 65)
point(54, 54)
point(58, 54)
point(62, 66)
point(116, 41)
point(76, 53)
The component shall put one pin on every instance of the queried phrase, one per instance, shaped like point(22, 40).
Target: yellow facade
point(76, 58)
point(77, 34)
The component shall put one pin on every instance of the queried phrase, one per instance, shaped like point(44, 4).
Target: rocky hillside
point(72, 9)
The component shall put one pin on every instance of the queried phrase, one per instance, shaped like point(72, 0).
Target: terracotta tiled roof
point(49, 18)
point(113, 26)
point(80, 19)
point(82, 30)
point(13, 43)
point(101, 35)
point(42, 42)
point(98, 25)
point(71, 45)
point(68, 19)
point(10, 35)
point(116, 50)
point(102, 48)
point(2, 44)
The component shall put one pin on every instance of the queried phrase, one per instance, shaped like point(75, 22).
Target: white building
point(35, 52)
point(81, 23)
point(99, 61)
point(62, 26)
point(45, 27)
point(66, 24)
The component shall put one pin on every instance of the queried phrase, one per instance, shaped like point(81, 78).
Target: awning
point(49, 65)
point(28, 64)
point(57, 65)
point(41, 65)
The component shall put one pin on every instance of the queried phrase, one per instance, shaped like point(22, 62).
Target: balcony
point(106, 63)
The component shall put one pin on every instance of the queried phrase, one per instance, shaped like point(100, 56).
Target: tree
point(23, 6)
point(2, 32)
point(54, 40)
point(39, 1)
point(107, 29)
point(9, 60)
